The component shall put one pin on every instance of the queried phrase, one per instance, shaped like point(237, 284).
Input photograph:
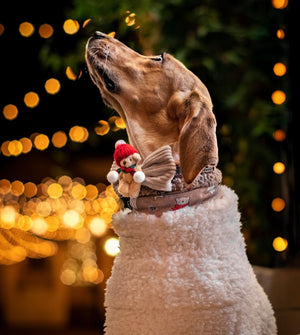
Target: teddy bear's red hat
point(122, 151)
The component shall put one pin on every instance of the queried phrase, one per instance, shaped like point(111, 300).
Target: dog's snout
point(99, 35)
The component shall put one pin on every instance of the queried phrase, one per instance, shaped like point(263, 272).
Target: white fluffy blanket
point(185, 273)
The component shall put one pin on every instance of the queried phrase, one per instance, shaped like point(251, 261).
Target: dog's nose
point(99, 35)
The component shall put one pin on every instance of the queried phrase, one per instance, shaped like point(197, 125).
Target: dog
point(184, 271)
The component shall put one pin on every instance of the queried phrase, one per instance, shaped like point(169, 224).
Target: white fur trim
point(119, 142)
point(185, 273)
point(139, 177)
point(112, 176)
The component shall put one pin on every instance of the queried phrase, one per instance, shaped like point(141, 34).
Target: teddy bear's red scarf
point(130, 169)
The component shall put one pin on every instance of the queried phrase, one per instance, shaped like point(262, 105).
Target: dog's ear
point(197, 139)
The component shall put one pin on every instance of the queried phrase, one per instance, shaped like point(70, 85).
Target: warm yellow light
point(112, 34)
point(278, 204)
point(4, 148)
point(280, 34)
point(70, 74)
point(53, 223)
point(30, 189)
point(280, 244)
point(26, 144)
point(91, 192)
point(5, 186)
point(26, 29)
point(279, 135)
point(71, 27)
point(119, 122)
point(15, 148)
point(112, 246)
point(31, 99)
point(97, 226)
point(41, 142)
point(10, 112)
point(279, 69)
point(7, 217)
point(279, 167)
point(46, 30)
point(78, 191)
point(59, 139)
point(130, 19)
point(278, 97)
point(83, 235)
point(43, 209)
point(52, 86)
point(71, 218)
point(280, 4)
point(24, 222)
point(86, 22)
point(17, 188)
point(103, 128)
point(55, 190)
point(2, 29)
point(68, 277)
point(78, 134)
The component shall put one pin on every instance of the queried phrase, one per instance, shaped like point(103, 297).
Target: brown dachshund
point(160, 101)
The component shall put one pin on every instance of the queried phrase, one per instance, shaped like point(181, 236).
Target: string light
point(280, 4)
point(278, 204)
point(279, 69)
point(46, 30)
point(10, 112)
point(278, 97)
point(71, 27)
point(278, 167)
point(52, 86)
point(26, 29)
point(31, 99)
point(280, 244)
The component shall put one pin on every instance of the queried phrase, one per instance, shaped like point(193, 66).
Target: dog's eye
point(159, 58)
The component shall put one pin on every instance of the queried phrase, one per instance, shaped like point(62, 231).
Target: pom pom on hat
point(123, 150)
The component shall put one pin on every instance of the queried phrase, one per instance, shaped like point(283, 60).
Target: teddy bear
point(129, 173)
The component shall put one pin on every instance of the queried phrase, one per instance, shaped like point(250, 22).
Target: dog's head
point(160, 100)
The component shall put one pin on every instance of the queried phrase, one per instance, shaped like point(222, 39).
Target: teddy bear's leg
point(123, 188)
point(134, 189)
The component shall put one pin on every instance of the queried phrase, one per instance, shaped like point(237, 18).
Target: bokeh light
point(279, 135)
point(70, 74)
point(280, 4)
point(280, 244)
point(278, 204)
point(26, 144)
point(46, 30)
point(78, 134)
point(278, 167)
point(41, 142)
point(59, 139)
point(10, 112)
point(112, 246)
point(71, 27)
point(26, 29)
point(2, 29)
point(280, 34)
point(102, 128)
point(279, 69)
point(31, 99)
point(15, 148)
point(278, 97)
point(130, 19)
point(52, 86)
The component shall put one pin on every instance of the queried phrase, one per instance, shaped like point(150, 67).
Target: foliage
point(232, 48)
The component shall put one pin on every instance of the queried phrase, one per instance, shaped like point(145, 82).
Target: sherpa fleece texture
point(185, 273)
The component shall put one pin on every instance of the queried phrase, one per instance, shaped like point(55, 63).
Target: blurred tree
point(232, 48)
